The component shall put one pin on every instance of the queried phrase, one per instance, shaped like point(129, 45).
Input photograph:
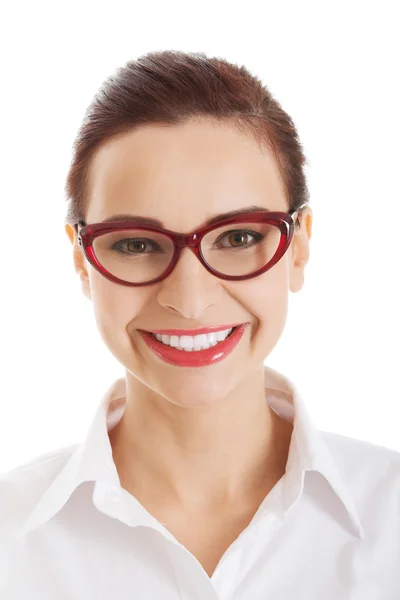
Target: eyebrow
point(214, 219)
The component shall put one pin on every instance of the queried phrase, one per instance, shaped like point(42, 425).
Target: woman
point(202, 474)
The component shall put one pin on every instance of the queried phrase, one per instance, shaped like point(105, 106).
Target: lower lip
point(196, 358)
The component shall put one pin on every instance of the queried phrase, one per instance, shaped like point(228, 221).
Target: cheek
point(114, 307)
point(267, 299)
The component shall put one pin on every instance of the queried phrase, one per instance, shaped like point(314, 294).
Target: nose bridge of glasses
point(190, 240)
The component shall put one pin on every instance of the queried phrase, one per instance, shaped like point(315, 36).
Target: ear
point(79, 260)
point(300, 249)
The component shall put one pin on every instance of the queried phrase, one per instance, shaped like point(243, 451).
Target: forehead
point(204, 166)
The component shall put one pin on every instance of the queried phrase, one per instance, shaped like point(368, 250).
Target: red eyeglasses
point(130, 253)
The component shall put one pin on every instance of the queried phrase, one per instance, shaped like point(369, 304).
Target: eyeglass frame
point(285, 221)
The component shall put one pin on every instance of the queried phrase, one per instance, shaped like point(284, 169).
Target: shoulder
point(22, 487)
point(365, 467)
point(351, 451)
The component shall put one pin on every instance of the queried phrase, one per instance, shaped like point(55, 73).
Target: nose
point(189, 289)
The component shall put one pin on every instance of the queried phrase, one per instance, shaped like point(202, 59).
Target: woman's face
point(183, 175)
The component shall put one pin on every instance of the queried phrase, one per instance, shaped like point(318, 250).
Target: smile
point(194, 351)
point(195, 343)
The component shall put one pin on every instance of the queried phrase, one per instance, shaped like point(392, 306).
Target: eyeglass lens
point(138, 255)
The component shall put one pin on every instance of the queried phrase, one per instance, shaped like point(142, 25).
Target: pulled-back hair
point(172, 87)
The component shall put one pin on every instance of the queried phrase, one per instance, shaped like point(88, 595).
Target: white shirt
point(329, 529)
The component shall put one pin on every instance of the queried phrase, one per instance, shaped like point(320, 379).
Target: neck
point(201, 458)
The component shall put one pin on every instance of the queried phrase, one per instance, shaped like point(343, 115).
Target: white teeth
point(193, 343)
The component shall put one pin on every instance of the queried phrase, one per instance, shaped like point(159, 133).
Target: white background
point(335, 68)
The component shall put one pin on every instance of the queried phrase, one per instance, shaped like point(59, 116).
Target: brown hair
point(173, 87)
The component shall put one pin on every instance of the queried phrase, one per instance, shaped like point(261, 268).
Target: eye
point(237, 238)
point(134, 245)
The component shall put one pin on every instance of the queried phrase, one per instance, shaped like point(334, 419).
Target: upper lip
point(180, 332)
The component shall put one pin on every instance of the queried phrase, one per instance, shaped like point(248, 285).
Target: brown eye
point(133, 245)
point(237, 239)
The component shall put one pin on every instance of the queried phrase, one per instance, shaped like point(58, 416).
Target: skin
point(193, 441)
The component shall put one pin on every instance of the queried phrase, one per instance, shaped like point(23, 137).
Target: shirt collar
point(92, 460)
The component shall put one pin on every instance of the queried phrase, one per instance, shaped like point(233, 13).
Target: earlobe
point(80, 268)
point(79, 261)
point(85, 283)
point(300, 251)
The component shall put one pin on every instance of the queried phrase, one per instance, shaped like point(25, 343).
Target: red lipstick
point(195, 358)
